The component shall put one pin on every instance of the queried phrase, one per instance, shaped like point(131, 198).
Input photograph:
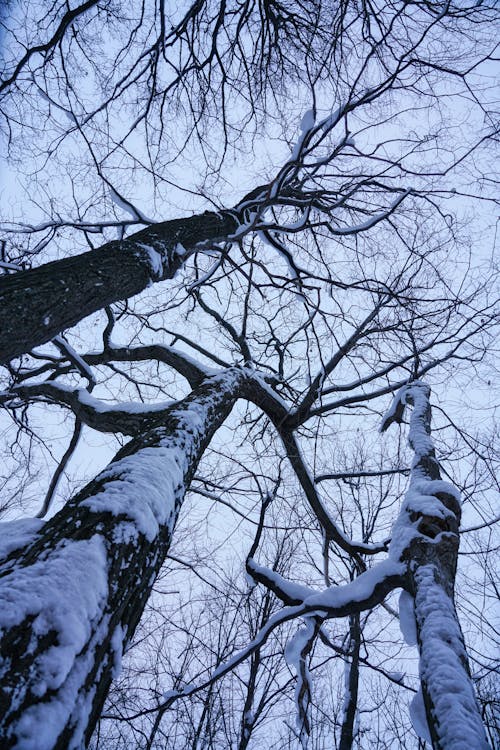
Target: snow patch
point(407, 622)
point(147, 486)
point(442, 659)
point(18, 534)
point(419, 718)
point(63, 592)
point(155, 259)
point(143, 487)
point(117, 645)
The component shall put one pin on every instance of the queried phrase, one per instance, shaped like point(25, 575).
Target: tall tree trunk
point(351, 684)
point(38, 304)
point(71, 599)
point(427, 535)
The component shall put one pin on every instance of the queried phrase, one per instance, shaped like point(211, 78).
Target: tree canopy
point(246, 246)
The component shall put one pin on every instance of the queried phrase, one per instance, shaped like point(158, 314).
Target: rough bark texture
point(38, 304)
point(430, 520)
point(48, 700)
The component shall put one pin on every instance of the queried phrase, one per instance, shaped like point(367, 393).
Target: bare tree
point(353, 271)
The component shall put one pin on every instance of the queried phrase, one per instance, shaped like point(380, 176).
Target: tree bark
point(71, 599)
point(351, 685)
point(38, 304)
point(427, 533)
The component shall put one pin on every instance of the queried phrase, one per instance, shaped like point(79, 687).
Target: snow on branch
point(303, 182)
point(431, 506)
point(365, 591)
point(369, 589)
point(125, 417)
point(395, 412)
point(75, 358)
point(189, 367)
point(297, 651)
point(127, 206)
point(290, 593)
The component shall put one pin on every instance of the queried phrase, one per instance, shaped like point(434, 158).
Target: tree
point(339, 281)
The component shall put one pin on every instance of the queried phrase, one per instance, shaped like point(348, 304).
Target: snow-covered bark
point(71, 598)
point(37, 304)
point(426, 537)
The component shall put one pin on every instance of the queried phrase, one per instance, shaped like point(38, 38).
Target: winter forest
point(248, 320)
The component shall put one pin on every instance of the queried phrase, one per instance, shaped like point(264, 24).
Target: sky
point(70, 187)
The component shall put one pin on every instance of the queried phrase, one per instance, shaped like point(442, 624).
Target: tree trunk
point(38, 304)
point(427, 533)
point(351, 685)
point(70, 600)
point(453, 715)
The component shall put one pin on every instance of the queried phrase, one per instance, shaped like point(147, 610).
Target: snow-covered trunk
point(427, 534)
point(71, 598)
point(38, 304)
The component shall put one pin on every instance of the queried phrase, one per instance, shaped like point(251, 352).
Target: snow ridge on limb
point(128, 418)
point(289, 592)
point(59, 644)
point(425, 536)
point(431, 506)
